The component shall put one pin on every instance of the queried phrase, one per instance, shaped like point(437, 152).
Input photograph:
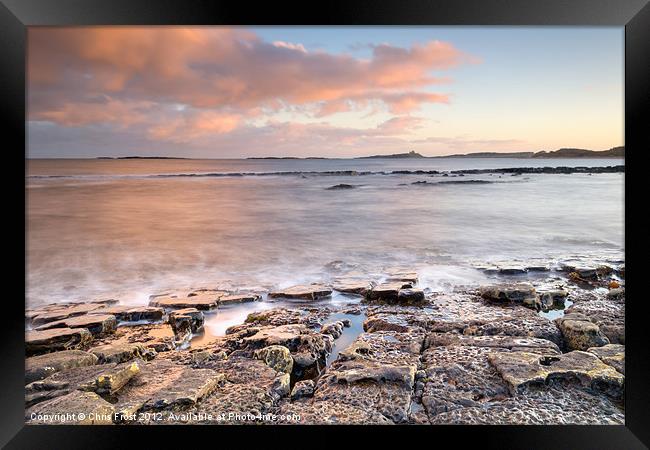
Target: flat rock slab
point(112, 380)
point(64, 382)
point(612, 355)
point(580, 333)
point(518, 292)
point(530, 344)
point(163, 385)
point(307, 292)
point(63, 312)
point(352, 287)
point(42, 366)
point(126, 313)
point(196, 318)
point(56, 339)
point(118, 352)
point(520, 369)
point(87, 408)
point(394, 293)
point(97, 324)
point(239, 298)
point(203, 300)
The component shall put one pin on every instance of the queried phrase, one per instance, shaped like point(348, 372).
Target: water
point(115, 228)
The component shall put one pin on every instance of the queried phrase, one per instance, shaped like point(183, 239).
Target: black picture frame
point(634, 15)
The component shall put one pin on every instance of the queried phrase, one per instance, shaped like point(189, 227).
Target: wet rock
point(163, 384)
point(274, 317)
point(340, 187)
point(612, 355)
point(42, 366)
point(121, 352)
point(519, 293)
point(302, 389)
point(125, 313)
point(528, 344)
point(203, 300)
point(239, 298)
point(379, 374)
point(410, 296)
point(352, 287)
point(89, 409)
point(194, 316)
point(112, 380)
point(64, 382)
point(512, 270)
point(553, 299)
point(520, 369)
point(276, 357)
point(60, 312)
point(386, 322)
point(616, 293)
point(402, 276)
point(249, 388)
point(579, 333)
point(308, 292)
point(55, 339)
point(607, 313)
point(468, 315)
point(334, 329)
point(281, 386)
point(97, 324)
point(386, 292)
point(324, 412)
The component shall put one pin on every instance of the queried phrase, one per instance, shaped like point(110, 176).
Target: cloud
point(225, 69)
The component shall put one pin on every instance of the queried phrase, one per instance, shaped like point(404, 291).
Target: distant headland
point(614, 152)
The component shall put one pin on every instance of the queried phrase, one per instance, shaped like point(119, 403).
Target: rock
point(522, 369)
point(553, 299)
point(402, 276)
point(163, 385)
point(55, 339)
point(529, 344)
point(42, 366)
point(352, 287)
point(379, 374)
point(66, 381)
point(281, 386)
point(125, 313)
point(120, 352)
point(386, 322)
point(203, 300)
point(196, 318)
point(97, 324)
point(339, 187)
point(512, 270)
point(579, 333)
point(88, 408)
point(386, 292)
point(308, 292)
point(519, 292)
point(114, 379)
point(612, 355)
point(410, 296)
point(276, 357)
point(60, 312)
point(239, 298)
point(334, 329)
point(616, 293)
point(302, 389)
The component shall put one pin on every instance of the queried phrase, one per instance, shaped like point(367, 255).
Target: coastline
point(539, 344)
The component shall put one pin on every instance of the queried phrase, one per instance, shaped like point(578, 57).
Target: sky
point(232, 92)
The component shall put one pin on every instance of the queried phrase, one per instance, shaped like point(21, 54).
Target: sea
point(130, 228)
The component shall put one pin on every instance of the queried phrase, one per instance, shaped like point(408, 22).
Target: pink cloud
point(228, 70)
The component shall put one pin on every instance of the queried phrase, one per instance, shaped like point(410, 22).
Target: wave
point(510, 170)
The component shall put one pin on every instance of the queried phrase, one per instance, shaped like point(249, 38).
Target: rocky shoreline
point(392, 353)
